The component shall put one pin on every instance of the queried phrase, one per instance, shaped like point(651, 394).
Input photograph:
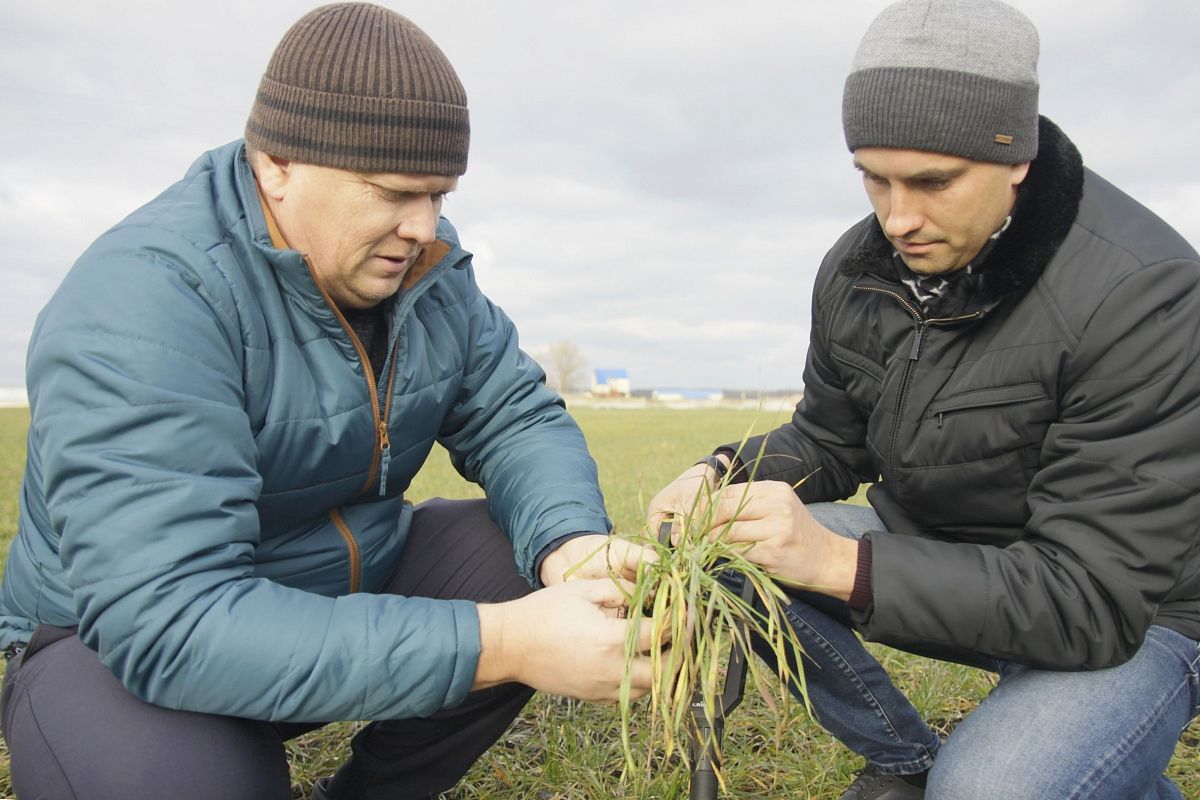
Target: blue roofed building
point(611, 383)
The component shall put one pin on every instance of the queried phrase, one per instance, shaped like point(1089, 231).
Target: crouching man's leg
point(851, 694)
point(73, 731)
point(1101, 735)
point(454, 551)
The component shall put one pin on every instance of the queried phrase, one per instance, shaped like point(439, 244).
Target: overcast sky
point(655, 182)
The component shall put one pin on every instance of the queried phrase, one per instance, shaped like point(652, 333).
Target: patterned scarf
point(945, 294)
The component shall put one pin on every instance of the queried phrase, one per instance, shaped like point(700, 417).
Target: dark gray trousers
point(75, 733)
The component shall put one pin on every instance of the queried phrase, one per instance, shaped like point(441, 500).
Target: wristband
point(716, 463)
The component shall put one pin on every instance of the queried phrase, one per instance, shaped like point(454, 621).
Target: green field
point(560, 750)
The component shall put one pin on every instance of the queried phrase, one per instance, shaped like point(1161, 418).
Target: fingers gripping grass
point(689, 593)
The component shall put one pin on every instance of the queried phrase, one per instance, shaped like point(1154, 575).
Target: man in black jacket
point(1007, 351)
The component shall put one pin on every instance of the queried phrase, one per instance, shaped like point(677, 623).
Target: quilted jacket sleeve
point(512, 435)
point(151, 482)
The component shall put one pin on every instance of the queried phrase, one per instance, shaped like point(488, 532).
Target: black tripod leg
point(705, 757)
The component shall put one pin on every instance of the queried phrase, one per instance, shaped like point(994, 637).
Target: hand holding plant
point(593, 556)
point(566, 639)
point(783, 537)
point(689, 592)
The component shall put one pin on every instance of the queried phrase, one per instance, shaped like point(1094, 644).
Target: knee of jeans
point(846, 519)
point(948, 782)
point(961, 776)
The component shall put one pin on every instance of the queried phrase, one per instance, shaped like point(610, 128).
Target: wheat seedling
point(689, 592)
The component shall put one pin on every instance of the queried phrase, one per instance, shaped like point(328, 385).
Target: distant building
point(610, 383)
point(686, 395)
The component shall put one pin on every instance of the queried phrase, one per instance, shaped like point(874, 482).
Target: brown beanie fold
point(355, 86)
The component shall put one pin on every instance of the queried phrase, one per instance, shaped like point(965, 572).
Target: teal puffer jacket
point(210, 496)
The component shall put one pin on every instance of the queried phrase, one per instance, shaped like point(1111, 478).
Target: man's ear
point(1019, 171)
point(274, 174)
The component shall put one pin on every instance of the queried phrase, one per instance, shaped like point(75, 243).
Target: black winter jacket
point(1038, 452)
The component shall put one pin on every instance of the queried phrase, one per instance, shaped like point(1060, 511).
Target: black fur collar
point(1047, 204)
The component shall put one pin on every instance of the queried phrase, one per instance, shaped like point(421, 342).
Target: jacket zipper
point(383, 445)
point(352, 552)
point(914, 353)
point(941, 415)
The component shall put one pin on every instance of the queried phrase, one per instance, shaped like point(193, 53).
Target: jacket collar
point(1046, 207)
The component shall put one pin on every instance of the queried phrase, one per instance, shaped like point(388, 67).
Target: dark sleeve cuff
point(861, 597)
point(737, 470)
point(550, 548)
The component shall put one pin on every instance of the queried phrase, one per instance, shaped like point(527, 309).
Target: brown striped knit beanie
point(358, 87)
point(946, 76)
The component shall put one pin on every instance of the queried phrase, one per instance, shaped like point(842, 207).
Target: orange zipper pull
point(385, 456)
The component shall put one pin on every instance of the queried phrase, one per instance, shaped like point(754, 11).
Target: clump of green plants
point(692, 593)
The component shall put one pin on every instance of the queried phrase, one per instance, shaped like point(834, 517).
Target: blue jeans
point(1102, 734)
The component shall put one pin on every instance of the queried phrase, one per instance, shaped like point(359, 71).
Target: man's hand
point(593, 556)
point(679, 497)
point(788, 542)
point(567, 639)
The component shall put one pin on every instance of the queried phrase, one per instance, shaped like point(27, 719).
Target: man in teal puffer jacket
point(230, 393)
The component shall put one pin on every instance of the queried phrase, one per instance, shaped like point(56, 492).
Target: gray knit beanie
point(947, 76)
point(358, 87)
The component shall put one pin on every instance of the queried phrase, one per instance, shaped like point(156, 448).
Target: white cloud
point(656, 182)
